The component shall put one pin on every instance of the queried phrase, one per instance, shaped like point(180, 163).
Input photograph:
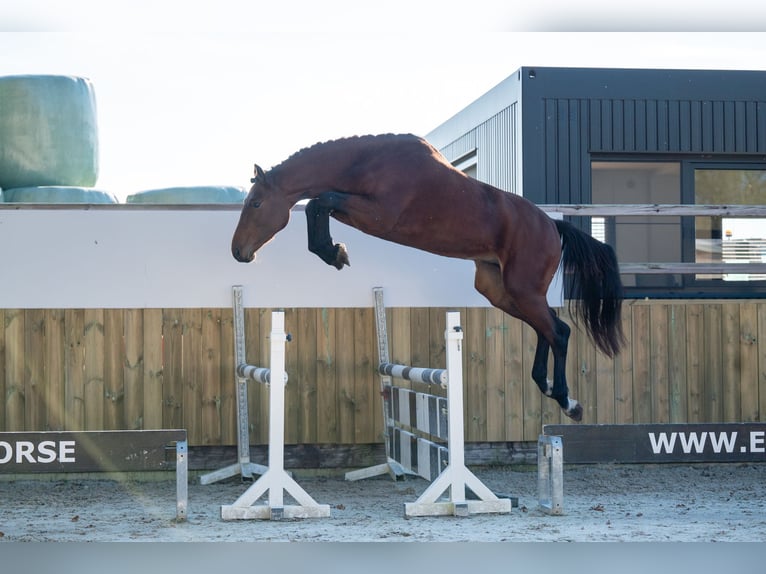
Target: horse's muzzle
point(242, 257)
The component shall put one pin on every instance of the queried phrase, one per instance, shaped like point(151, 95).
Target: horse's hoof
point(574, 412)
point(341, 256)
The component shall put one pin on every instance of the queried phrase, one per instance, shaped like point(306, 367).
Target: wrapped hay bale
point(183, 195)
point(48, 131)
point(57, 194)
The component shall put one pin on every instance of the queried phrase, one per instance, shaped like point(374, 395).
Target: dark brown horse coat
point(399, 188)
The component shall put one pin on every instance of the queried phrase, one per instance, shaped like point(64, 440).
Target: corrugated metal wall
point(496, 144)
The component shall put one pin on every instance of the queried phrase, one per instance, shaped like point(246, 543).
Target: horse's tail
point(595, 289)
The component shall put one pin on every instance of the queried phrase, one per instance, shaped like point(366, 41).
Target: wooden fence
point(686, 361)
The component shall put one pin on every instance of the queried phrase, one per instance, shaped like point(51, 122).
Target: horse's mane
point(342, 142)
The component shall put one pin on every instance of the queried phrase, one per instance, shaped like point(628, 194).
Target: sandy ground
point(703, 503)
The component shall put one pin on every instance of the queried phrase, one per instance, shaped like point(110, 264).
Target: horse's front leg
point(318, 212)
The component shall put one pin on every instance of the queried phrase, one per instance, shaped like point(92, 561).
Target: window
point(671, 239)
point(730, 239)
point(467, 164)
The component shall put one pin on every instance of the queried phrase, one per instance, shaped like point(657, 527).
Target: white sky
point(193, 93)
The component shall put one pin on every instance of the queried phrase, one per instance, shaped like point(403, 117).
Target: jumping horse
point(400, 188)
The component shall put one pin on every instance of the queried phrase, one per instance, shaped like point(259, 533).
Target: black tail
point(594, 286)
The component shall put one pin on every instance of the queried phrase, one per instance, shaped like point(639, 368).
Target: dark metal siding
point(569, 114)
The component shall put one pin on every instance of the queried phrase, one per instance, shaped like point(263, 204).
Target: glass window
point(730, 239)
point(639, 239)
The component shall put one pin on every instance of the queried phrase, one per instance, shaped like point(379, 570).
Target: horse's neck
point(310, 172)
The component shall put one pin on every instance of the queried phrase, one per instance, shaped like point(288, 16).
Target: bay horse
point(401, 189)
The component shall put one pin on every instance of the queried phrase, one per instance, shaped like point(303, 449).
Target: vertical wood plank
point(623, 367)
point(678, 391)
point(133, 369)
point(305, 350)
point(74, 365)
point(495, 374)
point(326, 379)
point(210, 377)
point(749, 361)
point(588, 383)
point(532, 396)
point(606, 387)
point(34, 370)
point(191, 373)
point(762, 361)
point(642, 390)
point(172, 382)
point(14, 369)
point(365, 385)
point(695, 351)
point(515, 379)
point(258, 339)
point(731, 362)
point(713, 363)
point(474, 373)
point(55, 368)
point(293, 318)
point(153, 370)
point(345, 371)
point(114, 370)
point(658, 317)
point(228, 379)
point(3, 362)
point(93, 341)
point(400, 335)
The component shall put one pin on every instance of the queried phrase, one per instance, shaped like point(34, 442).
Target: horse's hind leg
point(552, 334)
point(318, 212)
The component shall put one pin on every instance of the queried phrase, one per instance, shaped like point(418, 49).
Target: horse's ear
point(259, 174)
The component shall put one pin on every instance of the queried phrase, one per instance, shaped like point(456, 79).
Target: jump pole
point(243, 466)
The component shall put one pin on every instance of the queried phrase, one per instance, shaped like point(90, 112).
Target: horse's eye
point(255, 204)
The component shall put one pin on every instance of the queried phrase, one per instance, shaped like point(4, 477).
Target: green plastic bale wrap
point(48, 132)
point(57, 194)
point(183, 195)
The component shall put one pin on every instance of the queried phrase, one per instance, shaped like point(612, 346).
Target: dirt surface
point(724, 502)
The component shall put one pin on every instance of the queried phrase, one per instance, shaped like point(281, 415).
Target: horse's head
point(265, 212)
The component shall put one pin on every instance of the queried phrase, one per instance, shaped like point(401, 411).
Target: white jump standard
point(455, 478)
point(275, 480)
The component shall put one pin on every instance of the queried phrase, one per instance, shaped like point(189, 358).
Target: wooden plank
point(258, 339)
point(93, 396)
point(367, 407)
point(748, 323)
point(14, 369)
point(54, 369)
point(133, 369)
point(34, 370)
point(305, 342)
point(474, 373)
point(293, 319)
point(532, 396)
point(658, 375)
point(642, 390)
point(713, 364)
point(420, 337)
point(762, 361)
point(495, 373)
point(695, 352)
point(623, 367)
point(701, 210)
point(210, 376)
point(345, 371)
point(74, 365)
point(326, 377)
point(114, 370)
point(153, 369)
point(605, 389)
point(172, 387)
point(588, 390)
point(731, 353)
point(228, 406)
point(515, 379)
point(3, 359)
point(191, 373)
point(677, 379)
point(400, 335)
